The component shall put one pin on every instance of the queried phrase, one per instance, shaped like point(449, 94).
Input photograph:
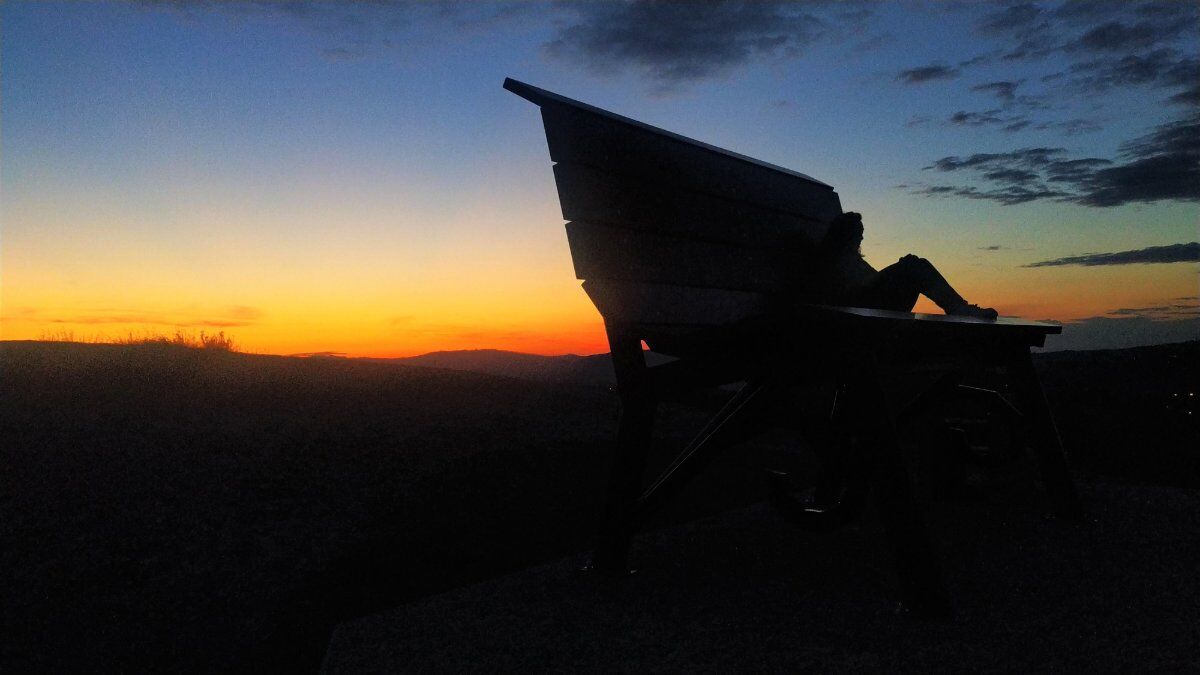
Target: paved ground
point(744, 591)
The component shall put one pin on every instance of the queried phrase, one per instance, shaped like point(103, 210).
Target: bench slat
point(543, 97)
point(579, 137)
point(654, 206)
point(605, 252)
point(642, 303)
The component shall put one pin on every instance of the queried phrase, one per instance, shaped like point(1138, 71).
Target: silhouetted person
point(848, 279)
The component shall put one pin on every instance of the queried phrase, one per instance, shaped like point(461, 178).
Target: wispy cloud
point(674, 44)
point(1016, 18)
point(1174, 253)
point(236, 316)
point(930, 73)
point(246, 313)
point(1098, 47)
point(994, 117)
point(1160, 166)
point(1071, 127)
point(1005, 90)
point(352, 31)
point(1160, 311)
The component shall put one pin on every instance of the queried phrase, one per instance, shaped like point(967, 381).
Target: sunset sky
point(317, 177)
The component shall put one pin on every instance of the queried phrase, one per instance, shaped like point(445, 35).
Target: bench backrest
point(668, 231)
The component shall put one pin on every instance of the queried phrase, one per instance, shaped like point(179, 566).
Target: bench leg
point(917, 568)
point(1047, 445)
point(638, 407)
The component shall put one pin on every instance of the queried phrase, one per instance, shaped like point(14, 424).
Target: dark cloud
point(927, 74)
point(1071, 127)
point(1014, 18)
point(1007, 195)
point(1026, 157)
point(1173, 253)
point(1161, 68)
point(1140, 311)
point(1115, 36)
point(1012, 176)
point(1107, 43)
point(1168, 312)
point(1089, 11)
point(1074, 170)
point(1163, 165)
point(938, 190)
point(993, 247)
point(1188, 97)
point(1033, 102)
point(1024, 27)
point(1096, 26)
point(1005, 90)
point(980, 60)
point(1166, 9)
point(352, 31)
point(976, 119)
point(674, 43)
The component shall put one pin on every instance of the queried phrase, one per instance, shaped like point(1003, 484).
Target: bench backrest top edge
point(540, 97)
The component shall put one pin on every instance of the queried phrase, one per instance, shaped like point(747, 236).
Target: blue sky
point(351, 177)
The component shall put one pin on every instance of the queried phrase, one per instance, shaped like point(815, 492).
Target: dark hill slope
point(166, 509)
point(570, 368)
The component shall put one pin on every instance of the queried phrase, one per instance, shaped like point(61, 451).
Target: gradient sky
point(314, 177)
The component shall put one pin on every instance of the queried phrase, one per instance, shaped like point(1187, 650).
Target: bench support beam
point(638, 407)
point(1047, 445)
point(918, 570)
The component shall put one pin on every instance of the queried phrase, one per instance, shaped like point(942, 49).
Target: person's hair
point(843, 233)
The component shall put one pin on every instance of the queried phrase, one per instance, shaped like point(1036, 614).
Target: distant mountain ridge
point(566, 369)
point(596, 370)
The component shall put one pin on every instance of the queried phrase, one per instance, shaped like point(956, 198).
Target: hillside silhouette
point(567, 369)
point(170, 508)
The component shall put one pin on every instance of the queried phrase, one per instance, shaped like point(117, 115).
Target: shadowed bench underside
point(699, 252)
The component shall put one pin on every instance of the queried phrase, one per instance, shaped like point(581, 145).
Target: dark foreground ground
point(170, 509)
point(744, 592)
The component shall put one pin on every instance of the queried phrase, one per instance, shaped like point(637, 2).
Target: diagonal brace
point(726, 428)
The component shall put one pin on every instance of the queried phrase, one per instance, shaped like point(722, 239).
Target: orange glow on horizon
point(450, 292)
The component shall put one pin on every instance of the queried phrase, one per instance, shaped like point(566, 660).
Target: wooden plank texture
point(642, 303)
point(543, 97)
point(605, 252)
point(584, 138)
point(656, 206)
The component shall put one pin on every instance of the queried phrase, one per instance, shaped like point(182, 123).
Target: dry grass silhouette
point(218, 341)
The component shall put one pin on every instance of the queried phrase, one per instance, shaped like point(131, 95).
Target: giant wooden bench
point(697, 251)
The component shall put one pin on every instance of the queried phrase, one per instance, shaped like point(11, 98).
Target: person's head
point(845, 232)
